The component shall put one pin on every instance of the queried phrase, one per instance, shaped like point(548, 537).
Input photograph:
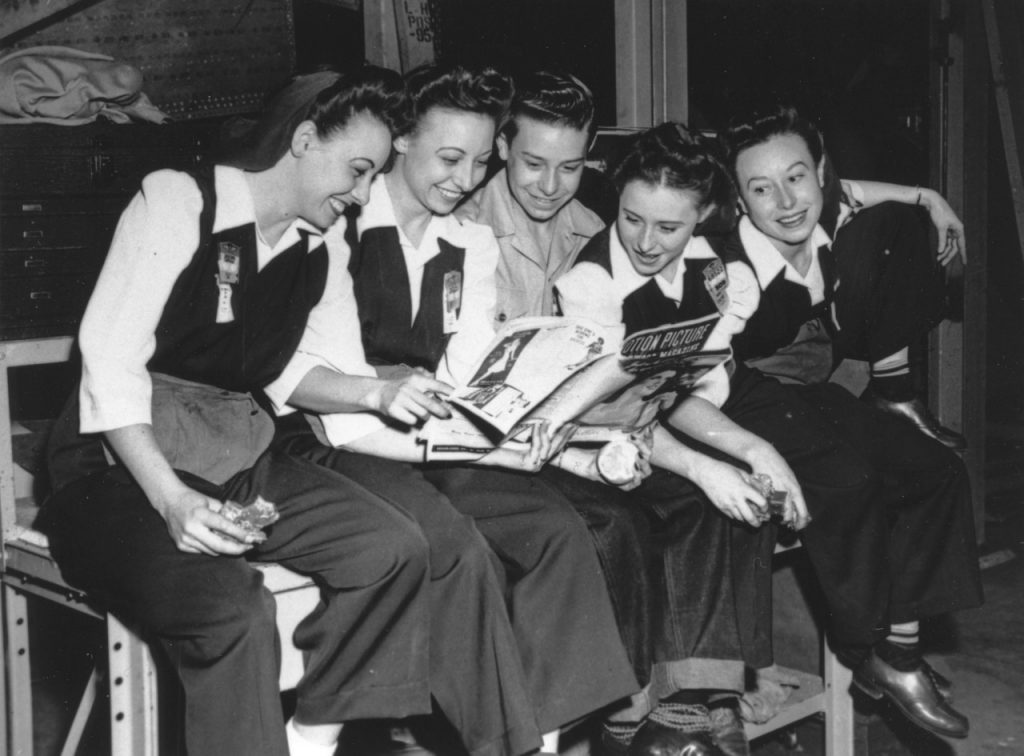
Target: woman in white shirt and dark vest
point(905, 549)
point(425, 285)
point(709, 554)
point(199, 328)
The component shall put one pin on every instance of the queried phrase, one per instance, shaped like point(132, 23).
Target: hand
point(764, 459)
point(410, 398)
point(950, 228)
point(730, 490)
point(196, 527)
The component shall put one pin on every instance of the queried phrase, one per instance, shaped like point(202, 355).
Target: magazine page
point(529, 358)
point(629, 389)
point(606, 396)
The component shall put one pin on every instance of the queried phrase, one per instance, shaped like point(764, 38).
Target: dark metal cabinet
point(62, 189)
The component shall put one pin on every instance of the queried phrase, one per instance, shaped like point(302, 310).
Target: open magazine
point(575, 375)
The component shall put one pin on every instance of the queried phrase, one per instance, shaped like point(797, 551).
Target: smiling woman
point(202, 304)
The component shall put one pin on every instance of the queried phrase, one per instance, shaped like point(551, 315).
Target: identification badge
point(228, 257)
point(452, 293)
point(716, 281)
point(224, 312)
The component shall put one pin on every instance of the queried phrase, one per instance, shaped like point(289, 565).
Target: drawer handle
point(35, 233)
point(32, 207)
point(41, 295)
point(35, 263)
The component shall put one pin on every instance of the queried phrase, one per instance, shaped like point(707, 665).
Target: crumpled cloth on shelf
point(772, 689)
point(65, 86)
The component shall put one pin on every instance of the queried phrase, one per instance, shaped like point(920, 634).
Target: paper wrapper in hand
point(255, 516)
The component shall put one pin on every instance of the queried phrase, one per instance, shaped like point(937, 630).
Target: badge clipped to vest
point(716, 281)
point(452, 293)
point(228, 265)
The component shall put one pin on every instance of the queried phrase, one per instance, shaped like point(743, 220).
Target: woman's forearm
point(137, 449)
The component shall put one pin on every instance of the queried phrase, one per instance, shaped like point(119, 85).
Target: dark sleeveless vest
point(784, 307)
point(647, 307)
point(381, 282)
point(270, 309)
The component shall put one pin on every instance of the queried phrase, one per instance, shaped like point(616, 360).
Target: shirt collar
point(379, 212)
point(623, 270)
point(767, 261)
point(504, 215)
point(235, 208)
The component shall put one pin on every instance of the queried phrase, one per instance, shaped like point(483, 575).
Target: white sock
point(299, 746)
point(549, 742)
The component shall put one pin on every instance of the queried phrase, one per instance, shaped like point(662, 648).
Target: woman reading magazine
point(424, 282)
point(709, 551)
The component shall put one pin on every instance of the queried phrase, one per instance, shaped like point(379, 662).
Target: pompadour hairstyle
point(552, 97)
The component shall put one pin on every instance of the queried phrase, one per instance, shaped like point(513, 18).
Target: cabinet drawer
point(43, 300)
point(30, 232)
point(33, 206)
point(49, 262)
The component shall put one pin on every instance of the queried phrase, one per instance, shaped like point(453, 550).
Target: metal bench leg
point(85, 706)
point(839, 723)
point(133, 701)
point(19, 676)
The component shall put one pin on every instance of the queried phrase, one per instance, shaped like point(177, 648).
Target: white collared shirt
point(767, 261)
point(589, 291)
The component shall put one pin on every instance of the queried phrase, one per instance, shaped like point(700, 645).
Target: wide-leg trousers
point(891, 537)
point(367, 643)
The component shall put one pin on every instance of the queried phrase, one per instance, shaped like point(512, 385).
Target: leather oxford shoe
point(657, 740)
point(942, 683)
point(917, 412)
point(913, 693)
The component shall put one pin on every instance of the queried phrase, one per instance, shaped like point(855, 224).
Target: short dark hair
point(759, 127)
point(475, 90)
point(551, 97)
point(670, 155)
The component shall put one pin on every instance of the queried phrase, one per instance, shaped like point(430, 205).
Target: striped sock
point(890, 377)
point(905, 633)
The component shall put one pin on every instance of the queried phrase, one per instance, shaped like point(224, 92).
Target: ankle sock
point(907, 633)
point(902, 656)
point(891, 379)
point(299, 746)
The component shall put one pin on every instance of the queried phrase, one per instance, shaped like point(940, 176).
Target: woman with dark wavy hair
point(709, 555)
point(425, 284)
point(195, 333)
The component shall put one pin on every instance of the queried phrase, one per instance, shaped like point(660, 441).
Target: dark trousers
point(704, 592)
point(574, 659)
point(891, 537)
point(366, 643)
point(891, 290)
point(559, 623)
point(476, 672)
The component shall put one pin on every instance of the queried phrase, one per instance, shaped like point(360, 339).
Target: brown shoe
point(913, 693)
